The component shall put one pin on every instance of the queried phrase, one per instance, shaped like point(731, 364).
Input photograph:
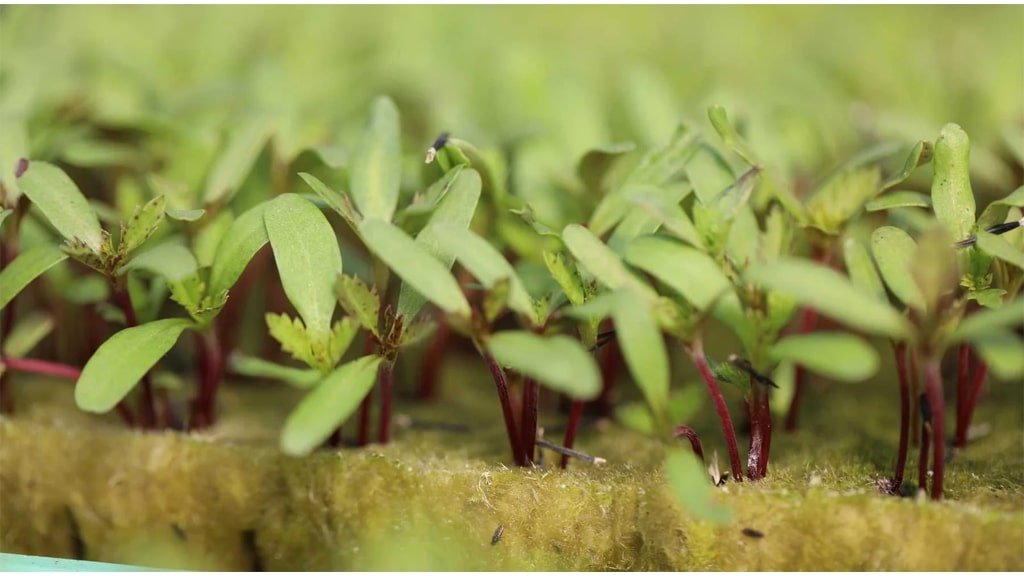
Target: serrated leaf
point(952, 198)
point(291, 334)
point(342, 334)
point(455, 210)
point(643, 348)
point(486, 264)
point(328, 405)
point(861, 268)
point(894, 251)
point(27, 332)
point(601, 262)
point(837, 355)
point(997, 210)
point(186, 215)
point(308, 259)
point(376, 164)
point(833, 295)
point(338, 201)
point(899, 199)
point(558, 362)
point(920, 155)
point(121, 361)
point(990, 297)
point(1000, 248)
point(979, 324)
point(57, 197)
point(28, 266)
point(143, 223)
point(689, 483)
point(256, 367)
point(169, 260)
point(235, 160)
point(359, 301)
point(243, 239)
point(426, 274)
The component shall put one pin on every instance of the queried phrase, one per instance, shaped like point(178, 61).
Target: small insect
point(436, 147)
point(497, 534)
point(717, 478)
point(751, 533)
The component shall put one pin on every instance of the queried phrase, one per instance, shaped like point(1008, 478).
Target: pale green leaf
point(997, 210)
point(121, 361)
point(601, 262)
point(837, 355)
point(210, 235)
point(977, 325)
point(1000, 248)
point(635, 416)
point(308, 259)
point(566, 275)
point(57, 197)
point(376, 164)
point(169, 260)
point(596, 163)
point(920, 155)
point(338, 201)
point(359, 301)
point(1002, 351)
point(894, 250)
point(692, 487)
point(143, 223)
point(899, 199)
point(720, 121)
point(952, 197)
point(253, 366)
point(639, 221)
point(558, 362)
point(861, 268)
point(28, 331)
point(294, 339)
point(643, 348)
point(186, 215)
point(29, 265)
point(328, 405)
point(243, 239)
point(709, 173)
point(236, 158)
point(671, 216)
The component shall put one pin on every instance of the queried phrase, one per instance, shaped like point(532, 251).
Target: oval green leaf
point(243, 239)
point(558, 362)
point(256, 367)
point(376, 163)
point(833, 295)
point(978, 324)
point(308, 259)
point(413, 264)
point(168, 260)
point(643, 348)
point(894, 251)
point(63, 204)
point(601, 262)
point(952, 197)
point(242, 148)
point(28, 266)
point(995, 246)
point(861, 268)
point(121, 361)
point(837, 355)
point(328, 405)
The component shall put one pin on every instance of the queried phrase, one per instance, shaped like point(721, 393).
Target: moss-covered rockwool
point(75, 485)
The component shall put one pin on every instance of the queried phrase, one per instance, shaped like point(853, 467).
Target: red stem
point(146, 405)
point(900, 351)
point(915, 389)
point(691, 435)
point(809, 321)
point(501, 383)
point(570, 432)
point(211, 372)
point(922, 462)
point(386, 375)
point(980, 374)
point(46, 368)
point(696, 350)
point(764, 406)
point(366, 407)
point(611, 366)
point(432, 362)
point(933, 376)
point(531, 394)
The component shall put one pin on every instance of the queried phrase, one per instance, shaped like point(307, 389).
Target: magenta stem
point(570, 432)
point(531, 394)
point(691, 435)
point(696, 350)
point(501, 383)
point(386, 374)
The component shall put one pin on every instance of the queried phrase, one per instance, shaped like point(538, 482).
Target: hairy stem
point(899, 350)
point(691, 435)
point(531, 393)
point(933, 382)
point(387, 390)
point(696, 350)
point(570, 432)
point(501, 383)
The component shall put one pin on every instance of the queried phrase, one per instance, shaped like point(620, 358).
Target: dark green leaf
point(376, 164)
point(121, 361)
point(559, 362)
point(837, 355)
point(26, 268)
point(894, 250)
point(952, 197)
point(328, 405)
point(62, 203)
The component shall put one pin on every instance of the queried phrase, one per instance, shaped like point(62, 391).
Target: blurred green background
point(159, 89)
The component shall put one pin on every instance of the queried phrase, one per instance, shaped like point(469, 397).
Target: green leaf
point(338, 201)
point(62, 203)
point(685, 404)
point(841, 198)
point(692, 487)
point(833, 295)
point(342, 334)
point(144, 222)
point(210, 235)
point(376, 164)
point(720, 121)
point(27, 333)
point(566, 275)
point(1001, 350)
point(242, 148)
point(426, 274)
point(894, 251)
point(639, 221)
point(920, 155)
point(243, 239)
point(595, 164)
point(837, 355)
point(428, 201)
point(710, 174)
point(601, 262)
point(26, 268)
point(690, 272)
point(486, 264)
point(359, 301)
point(169, 260)
point(977, 325)
point(244, 365)
point(455, 211)
point(635, 416)
point(861, 268)
point(1000, 248)
point(308, 259)
point(643, 348)
point(671, 216)
point(899, 199)
point(296, 340)
point(328, 405)
point(14, 146)
point(559, 362)
point(186, 215)
point(4, 213)
point(121, 361)
point(996, 211)
point(952, 197)
point(495, 300)
point(990, 297)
